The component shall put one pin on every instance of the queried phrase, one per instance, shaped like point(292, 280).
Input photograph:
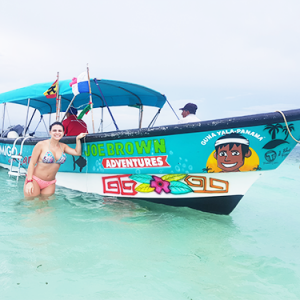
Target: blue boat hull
point(207, 165)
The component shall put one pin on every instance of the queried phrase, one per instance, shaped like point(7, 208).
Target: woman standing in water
point(46, 158)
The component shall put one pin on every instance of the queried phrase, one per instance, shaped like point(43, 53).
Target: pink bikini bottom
point(43, 183)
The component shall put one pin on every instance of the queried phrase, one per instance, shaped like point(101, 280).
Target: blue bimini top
point(115, 93)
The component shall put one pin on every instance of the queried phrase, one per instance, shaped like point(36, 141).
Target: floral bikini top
point(50, 159)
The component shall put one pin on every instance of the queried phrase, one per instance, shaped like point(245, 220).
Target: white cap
point(232, 141)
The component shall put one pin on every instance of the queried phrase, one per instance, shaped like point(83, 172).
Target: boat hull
point(215, 193)
point(207, 165)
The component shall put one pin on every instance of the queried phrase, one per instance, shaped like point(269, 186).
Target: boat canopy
point(116, 93)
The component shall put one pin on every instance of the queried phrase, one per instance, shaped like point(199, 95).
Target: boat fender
point(12, 135)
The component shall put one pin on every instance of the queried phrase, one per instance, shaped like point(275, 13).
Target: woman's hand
point(80, 136)
point(77, 150)
point(29, 188)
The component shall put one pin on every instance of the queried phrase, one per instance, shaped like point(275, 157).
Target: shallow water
point(81, 246)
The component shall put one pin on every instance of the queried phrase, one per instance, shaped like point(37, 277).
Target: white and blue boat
point(206, 165)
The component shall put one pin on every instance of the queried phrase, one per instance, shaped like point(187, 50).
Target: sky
point(230, 58)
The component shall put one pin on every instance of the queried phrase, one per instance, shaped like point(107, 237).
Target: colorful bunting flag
point(80, 84)
point(52, 91)
point(85, 111)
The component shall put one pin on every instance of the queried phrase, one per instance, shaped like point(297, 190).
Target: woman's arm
point(77, 150)
point(33, 160)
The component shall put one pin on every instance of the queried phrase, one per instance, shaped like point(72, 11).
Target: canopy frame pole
point(141, 116)
point(4, 108)
point(47, 130)
point(172, 108)
point(37, 126)
point(58, 98)
point(106, 104)
point(59, 107)
point(30, 121)
point(101, 122)
point(154, 118)
point(24, 131)
point(68, 107)
point(91, 98)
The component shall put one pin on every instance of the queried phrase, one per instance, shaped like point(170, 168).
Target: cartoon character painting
point(231, 150)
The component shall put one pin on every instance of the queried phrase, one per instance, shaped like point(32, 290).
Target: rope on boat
point(287, 126)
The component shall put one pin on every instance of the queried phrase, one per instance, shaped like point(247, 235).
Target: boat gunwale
point(177, 129)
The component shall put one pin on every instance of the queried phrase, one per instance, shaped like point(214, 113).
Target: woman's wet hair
point(57, 123)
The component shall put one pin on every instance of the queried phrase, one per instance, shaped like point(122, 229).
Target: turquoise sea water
point(81, 246)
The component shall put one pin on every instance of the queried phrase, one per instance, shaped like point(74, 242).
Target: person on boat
point(189, 114)
point(231, 150)
point(46, 158)
point(72, 125)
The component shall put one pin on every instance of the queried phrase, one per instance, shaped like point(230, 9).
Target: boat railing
point(18, 157)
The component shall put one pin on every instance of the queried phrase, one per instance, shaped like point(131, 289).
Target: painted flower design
point(160, 184)
point(168, 183)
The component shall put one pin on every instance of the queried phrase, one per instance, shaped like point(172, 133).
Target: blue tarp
point(116, 93)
